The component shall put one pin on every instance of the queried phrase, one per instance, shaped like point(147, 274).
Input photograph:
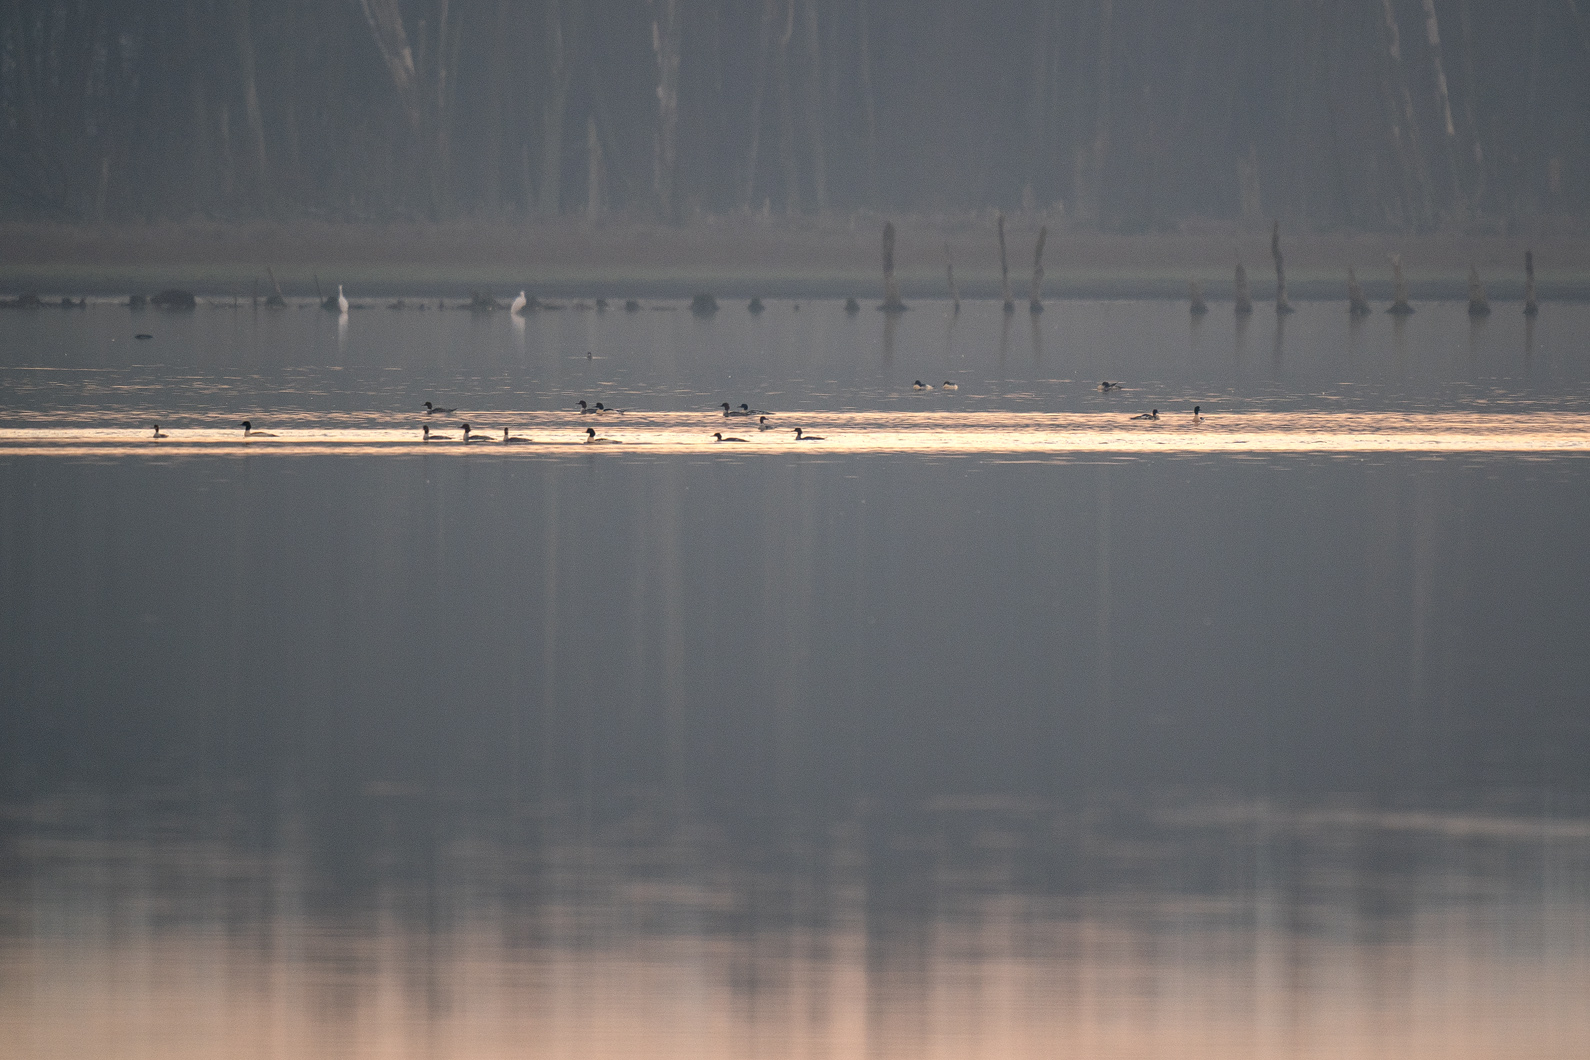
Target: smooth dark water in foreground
point(804, 754)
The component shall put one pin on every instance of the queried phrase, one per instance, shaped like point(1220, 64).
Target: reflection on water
point(988, 927)
point(994, 724)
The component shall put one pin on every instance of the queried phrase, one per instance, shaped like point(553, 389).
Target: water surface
point(995, 723)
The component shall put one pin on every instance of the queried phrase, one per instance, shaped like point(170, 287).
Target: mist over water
point(790, 752)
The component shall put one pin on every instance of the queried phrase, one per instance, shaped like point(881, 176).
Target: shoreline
point(741, 260)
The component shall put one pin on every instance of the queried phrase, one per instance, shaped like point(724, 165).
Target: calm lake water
point(993, 724)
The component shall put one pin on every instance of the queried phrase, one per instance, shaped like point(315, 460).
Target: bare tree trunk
point(1004, 269)
point(665, 34)
point(593, 172)
point(949, 269)
point(1470, 121)
point(869, 103)
point(1357, 304)
point(786, 113)
point(1282, 303)
point(1091, 169)
point(1404, 123)
point(1531, 307)
point(891, 290)
point(1400, 306)
point(553, 109)
point(1443, 101)
point(814, 106)
point(1479, 305)
point(386, 27)
point(1035, 301)
point(1244, 300)
point(763, 39)
point(244, 36)
point(497, 79)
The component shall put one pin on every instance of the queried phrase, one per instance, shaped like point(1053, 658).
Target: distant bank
point(744, 259)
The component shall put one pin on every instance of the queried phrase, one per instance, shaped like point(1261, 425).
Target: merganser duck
point(158, 434)
point(592, 439)
point(1148, 415)
point(427, 436)
point(949, 385)
point(1197, 414)
point(741, 411)
point(603, 408)
point(919, 385)
point(507, 439)
point(438, 410)
point(1107, 386)
point(250, 432)
point(763, 425)
point(517, 305)
point(478, 436)
point(799, 437)
point(719, 436)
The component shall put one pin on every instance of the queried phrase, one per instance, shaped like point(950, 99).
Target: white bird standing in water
point(518, 304)
point(342, 300)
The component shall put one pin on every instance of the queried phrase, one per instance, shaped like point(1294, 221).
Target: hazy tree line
point(1127, 114)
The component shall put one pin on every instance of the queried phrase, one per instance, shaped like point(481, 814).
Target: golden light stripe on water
point(858, 432)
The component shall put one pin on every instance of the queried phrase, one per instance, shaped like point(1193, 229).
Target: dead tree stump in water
point(1357, 304)
point(1195, 297)
point(1035, 301)
point(891, 290)
point(1399, 302)
point(1282, 303)
point(1479, 305)
point(949, 274)
point(1244, 300)
point(1531, 307)
point(1004, 269)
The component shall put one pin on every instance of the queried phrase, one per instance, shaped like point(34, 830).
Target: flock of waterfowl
point(471, 435)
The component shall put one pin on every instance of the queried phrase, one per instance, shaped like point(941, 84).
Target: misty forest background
point(1123, 115)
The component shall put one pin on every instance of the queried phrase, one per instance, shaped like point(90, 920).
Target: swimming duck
point(741, 411)
point(1107, 386)
point(438, 410)
point(949, 385)
point(250, 432)
point(477, 435)
point(585, 409)
point(603, 408)
point(800, 437)
point(508, 439)
point(592, 439)
point(719, 436)
point(158, 434)
point(919, 385)
point(1198, 416)
point(1148, 415)
point(427, 436)
point(763, 425)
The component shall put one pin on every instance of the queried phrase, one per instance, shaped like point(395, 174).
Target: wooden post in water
point(1195, 296)
point(1282, 304)
point(1004, 269)
point(1035, 302)
point(949, 271)
point(1399, 302)
point(1357, 304)
point(891, 290)
point(1479, 305)
point(1531, 307)
point(1244, 303)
